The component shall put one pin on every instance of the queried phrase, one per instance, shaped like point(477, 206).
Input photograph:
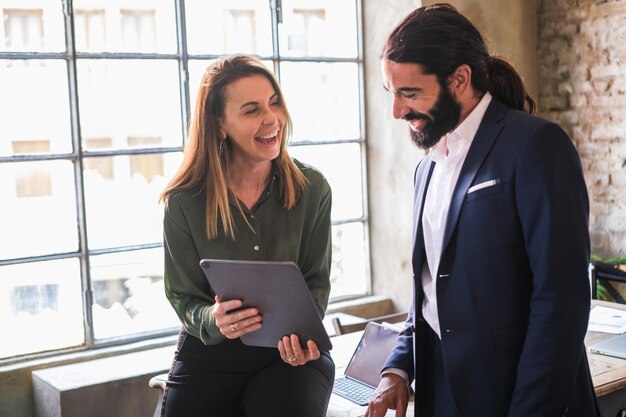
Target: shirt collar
point(465, 131)
point(468, 128)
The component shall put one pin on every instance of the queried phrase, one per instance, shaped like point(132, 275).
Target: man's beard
point(444, 116)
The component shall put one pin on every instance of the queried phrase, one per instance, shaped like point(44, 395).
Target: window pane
point(34, 106)
point(128, 294)
point(215, 27)
point(341, 165)
point(32, 29)
point(125, 26)
point(130, 98)
point(348, 274)
point(40, 307)
point(323, 99)
point(196, 72)
point(319, 28)
point(38, 203)
point(122, 195)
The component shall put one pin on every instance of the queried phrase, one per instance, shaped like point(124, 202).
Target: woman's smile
point(268, 139)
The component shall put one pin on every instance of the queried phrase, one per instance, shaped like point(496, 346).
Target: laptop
point(362, 374)
point(615, 346)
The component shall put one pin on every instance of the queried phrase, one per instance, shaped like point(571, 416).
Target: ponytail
point(507, 86)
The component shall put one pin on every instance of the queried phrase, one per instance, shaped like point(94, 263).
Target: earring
point(221, 150)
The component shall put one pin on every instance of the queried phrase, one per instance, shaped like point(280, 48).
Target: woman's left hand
point(292, 353)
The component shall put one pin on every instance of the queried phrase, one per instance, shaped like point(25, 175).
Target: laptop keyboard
point(353, 391)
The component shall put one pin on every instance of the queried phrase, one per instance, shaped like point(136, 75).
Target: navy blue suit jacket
point(512, 289)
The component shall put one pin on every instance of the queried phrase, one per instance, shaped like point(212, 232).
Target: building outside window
point(23, 29)
point(139, 30)
point(32, 183)
point(89, 30)
point(307, 31)
point(93, 127)
point(240, 29)
point(98, 166)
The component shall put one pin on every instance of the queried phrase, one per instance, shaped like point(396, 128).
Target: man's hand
point(392, 394)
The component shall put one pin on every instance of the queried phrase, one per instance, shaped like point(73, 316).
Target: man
point(501, 244)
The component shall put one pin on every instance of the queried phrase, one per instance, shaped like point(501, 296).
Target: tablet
point(277, 290)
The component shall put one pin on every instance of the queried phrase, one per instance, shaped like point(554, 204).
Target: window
point(308, 26)
point(33, 298)
point(32, 182)
point(89, 30)
point(148, 166)
point(99, 166)
point(23, 29)
point(138, 30)
point(239, 27)
point(84, 157)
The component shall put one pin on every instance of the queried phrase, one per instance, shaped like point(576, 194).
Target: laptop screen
point(371, 354)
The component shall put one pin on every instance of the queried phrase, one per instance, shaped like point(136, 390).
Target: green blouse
point(301, 235)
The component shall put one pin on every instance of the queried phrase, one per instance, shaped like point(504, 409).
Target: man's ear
point(460, 81)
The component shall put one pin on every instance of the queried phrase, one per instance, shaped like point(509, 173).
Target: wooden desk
point(608, 373)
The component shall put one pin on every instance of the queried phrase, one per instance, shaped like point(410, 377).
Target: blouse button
point(252, 216)
point(256, 247)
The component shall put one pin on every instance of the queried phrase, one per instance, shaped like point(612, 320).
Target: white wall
point(391, 159)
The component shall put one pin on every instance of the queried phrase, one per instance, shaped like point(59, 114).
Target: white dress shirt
point(449, 155)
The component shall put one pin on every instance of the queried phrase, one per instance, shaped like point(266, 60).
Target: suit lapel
point(487, 133)
point(422, 178)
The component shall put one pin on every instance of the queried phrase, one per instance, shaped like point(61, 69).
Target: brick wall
point(582, 86)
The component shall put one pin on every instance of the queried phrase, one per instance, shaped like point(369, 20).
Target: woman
point(238, 195)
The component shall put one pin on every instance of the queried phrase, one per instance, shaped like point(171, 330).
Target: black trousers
point(230, 378)
point(440, 397)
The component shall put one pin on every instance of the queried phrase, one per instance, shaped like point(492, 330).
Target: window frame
point(77, 156)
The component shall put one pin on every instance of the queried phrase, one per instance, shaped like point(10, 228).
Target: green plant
point(616, 260)
point(601, 292)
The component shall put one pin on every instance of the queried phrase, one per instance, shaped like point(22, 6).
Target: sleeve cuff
point(396, 371)
point(209, 332)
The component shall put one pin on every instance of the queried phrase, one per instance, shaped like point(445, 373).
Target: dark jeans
point(225, 379)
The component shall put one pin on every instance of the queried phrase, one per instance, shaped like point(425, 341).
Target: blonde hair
point(206, 158)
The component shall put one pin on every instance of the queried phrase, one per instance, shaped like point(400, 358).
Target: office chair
point(356, 327)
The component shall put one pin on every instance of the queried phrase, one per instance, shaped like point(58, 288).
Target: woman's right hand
point(237, 323)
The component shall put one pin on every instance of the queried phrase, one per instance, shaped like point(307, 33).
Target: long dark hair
point(441, 39)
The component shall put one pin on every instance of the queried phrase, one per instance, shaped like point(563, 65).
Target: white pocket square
point(482, 185)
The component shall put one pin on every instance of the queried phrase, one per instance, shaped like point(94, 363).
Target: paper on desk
point(607, 320)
